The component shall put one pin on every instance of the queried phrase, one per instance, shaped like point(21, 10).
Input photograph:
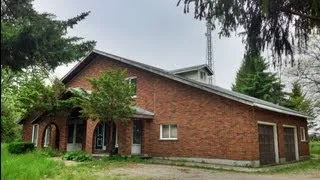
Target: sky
point(156, 33)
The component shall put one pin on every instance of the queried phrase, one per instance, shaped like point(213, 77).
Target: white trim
point(304, 139)
point(275, 137)
point(295, 139)
point(129, 80)
point(33, 131)
point(161, 138)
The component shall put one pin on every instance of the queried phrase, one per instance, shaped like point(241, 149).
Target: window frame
point(47, 137)
point(169, 138)
point(33, 140)
point(204, 75)
point(303, 134)
point(129, 79)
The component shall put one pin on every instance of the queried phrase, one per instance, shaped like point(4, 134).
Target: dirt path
point(175, 172)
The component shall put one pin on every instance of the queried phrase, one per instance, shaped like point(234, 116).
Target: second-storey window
point(168, 132)
point(133, 81)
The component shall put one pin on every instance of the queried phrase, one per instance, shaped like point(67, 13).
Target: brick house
point(178, 115)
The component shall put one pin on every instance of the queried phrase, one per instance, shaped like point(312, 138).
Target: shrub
point(49, 152)
point(77, 156)
point(20, 147)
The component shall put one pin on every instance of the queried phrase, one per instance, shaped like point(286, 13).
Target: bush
point(20, 147)
point(77, 156)
point(49, 152)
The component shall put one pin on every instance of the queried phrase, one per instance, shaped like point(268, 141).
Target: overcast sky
point(152, 32)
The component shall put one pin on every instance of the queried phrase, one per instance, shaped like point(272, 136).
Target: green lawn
point(315, 147)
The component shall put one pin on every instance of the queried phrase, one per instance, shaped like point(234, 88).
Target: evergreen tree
point(299, 102)
point(253, 80)
point(30, 39)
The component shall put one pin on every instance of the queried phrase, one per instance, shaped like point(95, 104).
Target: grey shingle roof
point(192, 68)
point(206, 87)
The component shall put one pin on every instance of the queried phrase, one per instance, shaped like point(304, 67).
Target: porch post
point(91, 125)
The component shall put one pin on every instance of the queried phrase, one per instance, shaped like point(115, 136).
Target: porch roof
point(142, 113)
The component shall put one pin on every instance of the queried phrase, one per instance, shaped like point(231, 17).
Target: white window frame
point(275, 137)
point(33, 131)
point(129, 80)
point(47, 136)
point(303, 134)
point(161, 138)
point(204, 77)
point(295, 139)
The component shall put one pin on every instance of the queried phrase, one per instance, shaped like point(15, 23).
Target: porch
point(73, 133)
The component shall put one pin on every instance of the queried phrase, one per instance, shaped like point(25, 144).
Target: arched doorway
point(105, 137)
point(51, 136)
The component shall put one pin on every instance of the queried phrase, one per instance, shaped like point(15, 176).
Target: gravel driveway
point(175, 172)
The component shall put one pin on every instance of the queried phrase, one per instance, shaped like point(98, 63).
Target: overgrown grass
point(315, 147)
point(32, 165)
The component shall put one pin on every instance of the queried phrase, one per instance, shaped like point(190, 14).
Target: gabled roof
point(193, 68)
point(206, 87)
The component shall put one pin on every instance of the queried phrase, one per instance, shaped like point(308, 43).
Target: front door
point(290, 145)
point(136, 137)
point(266, 144)
point(99, 136)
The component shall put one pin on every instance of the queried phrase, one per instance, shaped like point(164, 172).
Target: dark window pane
point(134, 83)
point(70, 133)
point(79, 133)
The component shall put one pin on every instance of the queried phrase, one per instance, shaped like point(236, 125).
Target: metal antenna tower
point(209, 51)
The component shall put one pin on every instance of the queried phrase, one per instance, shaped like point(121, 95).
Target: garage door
point(289, 142)
point(266, 144)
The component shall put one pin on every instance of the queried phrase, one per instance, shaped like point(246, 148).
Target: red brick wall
point(280, 120)
point(209, 126)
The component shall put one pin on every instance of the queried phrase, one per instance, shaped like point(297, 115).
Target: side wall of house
point(281, 120)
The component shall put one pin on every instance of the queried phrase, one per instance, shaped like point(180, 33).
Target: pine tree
point(253, 80)
point(299, 102)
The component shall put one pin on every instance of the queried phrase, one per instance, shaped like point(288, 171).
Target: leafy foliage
point(30, 39)
point(20, 147)
point(110, 100)
point(77, 156)
point(267, 23)
point(253, 80)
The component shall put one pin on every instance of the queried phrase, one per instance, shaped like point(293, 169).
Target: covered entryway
point(290, 142)
point(268, 148)
point(103, 134)
point(51, 136)
point(136, 136)
point(76, 131)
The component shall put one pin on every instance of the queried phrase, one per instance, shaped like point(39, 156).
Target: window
point(302, 134)
point(47, 137)
point(133, 81)
point(203, 75)
point(168, 132)
point(35, 130)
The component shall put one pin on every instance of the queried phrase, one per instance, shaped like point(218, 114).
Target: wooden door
point(266, 144)
point(290, 147)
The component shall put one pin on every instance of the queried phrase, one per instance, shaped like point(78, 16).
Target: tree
point(253, 80)
point(276, 24)
point(110, 99)
point(32, 39)
point(307, 73)
point(298, 101)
